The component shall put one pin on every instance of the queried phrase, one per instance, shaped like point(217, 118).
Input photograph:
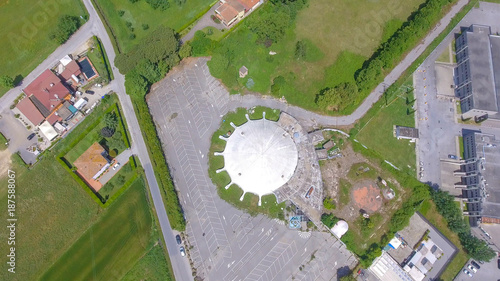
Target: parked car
point(178, 238)
point(471, 268)
point(116, 166)
point(498, 263)
point(467, 272)
point(89, 92)
point(451, 156)
point(30, 137)
point(183, 253)
point(475, 264)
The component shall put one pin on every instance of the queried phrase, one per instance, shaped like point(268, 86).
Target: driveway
point(122, 159)
point(204, 21)
point(17, 133)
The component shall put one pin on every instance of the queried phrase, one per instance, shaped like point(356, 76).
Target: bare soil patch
point(366, 196)
point(5, 162)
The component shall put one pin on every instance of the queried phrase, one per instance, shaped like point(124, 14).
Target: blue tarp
point(72, 109)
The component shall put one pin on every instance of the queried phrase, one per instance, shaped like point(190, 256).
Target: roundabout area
point(260, 158)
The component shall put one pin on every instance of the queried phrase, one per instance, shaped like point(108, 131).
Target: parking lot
point(436, 116)
point(226, 243)
point(488, 271)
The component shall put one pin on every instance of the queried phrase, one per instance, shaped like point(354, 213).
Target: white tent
point(340, 228)
point(47, 130)
point(65, 60)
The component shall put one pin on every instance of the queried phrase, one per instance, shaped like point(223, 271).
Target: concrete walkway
point(203, 22)
point(122, 158)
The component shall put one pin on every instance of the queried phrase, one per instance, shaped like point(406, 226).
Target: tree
point(148, 70)
point(278, 86)
point(337, 98)
point(271, 24)
point(111, 120)
point(107, 132)
point(477, 248)
point(201, 44)
point(7, 81)
point(135, 84)
point(112, 153)
point(185, 50)
point(328, 203)
point(66, 26)
point(162, 5)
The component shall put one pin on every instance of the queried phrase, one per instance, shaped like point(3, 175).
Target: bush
point(215, 19)
point(107, 132)
point(66, 26)
point(201, 44)
point(131, 36)
point(145, 26)
point(121, 13)
point(329, 203)
point(162, 5)
point(111, 120)
point(113, 153)
point(300, 50)
point(329, 220)
point(7, 81)
point(337, 98)
point(186, 50)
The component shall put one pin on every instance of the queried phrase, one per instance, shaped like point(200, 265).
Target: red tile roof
point(29, 110)
point(71, 68)
point(53, 119)
point(248, 4)
point(227, 12)
point(91, 161)
point(48, 89)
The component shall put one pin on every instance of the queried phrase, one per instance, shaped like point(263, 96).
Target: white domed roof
point(260, 156)
point(340, 228)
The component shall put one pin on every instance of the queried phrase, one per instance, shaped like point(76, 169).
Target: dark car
point(498, 263)
point(178, 238)
point(31, 136)
point(89, 92)
point(475, 264)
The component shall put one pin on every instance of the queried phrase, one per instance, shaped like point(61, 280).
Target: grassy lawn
point(25, 29)
point(53, 210)
point(233, 193)
point(125, 174)
point(339, 36)
point(357, 172)
point(445, 56)
point(140, 14)
point(152, 266)
point(344, 193)
point(377, 134)
point(461, 146)
point(110, 247)
point(3, 142)
point(429, 211)
point(99, 59)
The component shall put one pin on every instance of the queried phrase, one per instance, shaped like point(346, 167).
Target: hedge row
point(392, 51)
point(148, 129)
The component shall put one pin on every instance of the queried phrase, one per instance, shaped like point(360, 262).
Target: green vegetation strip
point(3, 142)
point(233, 194)
point(94, 255)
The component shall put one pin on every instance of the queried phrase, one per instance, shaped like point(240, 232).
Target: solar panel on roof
point(87, 69)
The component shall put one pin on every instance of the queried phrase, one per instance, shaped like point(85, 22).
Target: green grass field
point(429, 211)
point(233, 193)
point(25, 29)
point(3, 142)
point(152, 266)
point(141, 13)
point(377, 134)
point(340, 36)
point(111, 246)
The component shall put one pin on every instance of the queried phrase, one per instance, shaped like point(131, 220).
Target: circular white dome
point(340, 228)
point(260, 156)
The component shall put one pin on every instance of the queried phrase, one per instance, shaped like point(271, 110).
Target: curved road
point(94, 26)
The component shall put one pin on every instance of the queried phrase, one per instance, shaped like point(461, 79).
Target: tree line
point(388, 53)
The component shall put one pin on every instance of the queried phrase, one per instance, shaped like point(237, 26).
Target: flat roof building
point(477, 74)
point(480, 177)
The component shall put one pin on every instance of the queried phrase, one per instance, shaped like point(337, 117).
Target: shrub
point(215, 19)
point(113, 153)
point(329, 220)
point(111, 120)
point(107, 132)
point(300, 50)
point(121, 13)
point(329, 203)
point(66, 26)
point(7, 81)
point(201, 44)
point(162, 5)
point(185, 50)
point(145, 26)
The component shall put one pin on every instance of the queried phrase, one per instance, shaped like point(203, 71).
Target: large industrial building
point(480, 177)
point(477, 75)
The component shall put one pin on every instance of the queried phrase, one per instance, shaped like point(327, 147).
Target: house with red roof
point(230, 11)
point(43, 97)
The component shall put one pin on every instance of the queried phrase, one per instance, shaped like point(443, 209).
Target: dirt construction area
point(360, 187)
point(366, 196)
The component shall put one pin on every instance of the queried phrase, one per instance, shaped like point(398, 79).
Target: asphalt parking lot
point(226, 243)
point(488, 271)
point(436, 116)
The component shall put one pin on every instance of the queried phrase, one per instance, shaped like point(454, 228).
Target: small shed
point(243, 72)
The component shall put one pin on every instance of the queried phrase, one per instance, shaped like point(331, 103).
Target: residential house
point(230, 11)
